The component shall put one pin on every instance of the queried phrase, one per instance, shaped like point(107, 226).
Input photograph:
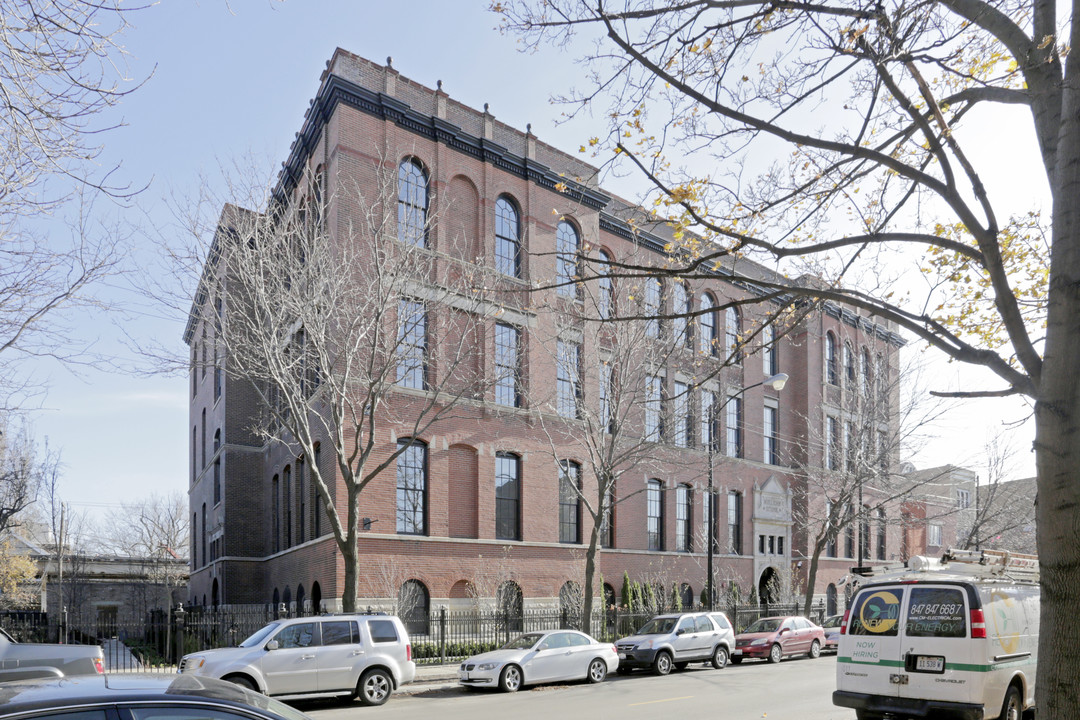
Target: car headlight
point(761, 641)
point(194, 663)
point(487, 666)
point(645, 645)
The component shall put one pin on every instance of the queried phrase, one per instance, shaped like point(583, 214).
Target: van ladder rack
point(994, 563)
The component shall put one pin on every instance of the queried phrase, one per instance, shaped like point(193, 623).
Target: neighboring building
point(1006, 516)
point(256, 533)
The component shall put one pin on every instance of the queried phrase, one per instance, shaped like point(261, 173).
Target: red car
point(775, 638)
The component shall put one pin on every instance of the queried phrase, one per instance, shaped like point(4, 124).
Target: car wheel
point(776, 654)
point(815, 649)
point(597, 671)
point(662, 664)
point(374, 687)
point(736, 659)
point(242, 682)
point(1012, 707)
point(719, 657)
point(510, 680)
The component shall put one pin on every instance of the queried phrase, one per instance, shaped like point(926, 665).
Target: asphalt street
point(798, 689)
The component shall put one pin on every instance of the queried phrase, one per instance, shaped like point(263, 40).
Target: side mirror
point(272, 645)
point(680, 631)
point(784, 631)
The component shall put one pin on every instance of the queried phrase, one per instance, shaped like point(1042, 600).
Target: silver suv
point(365, 656)
point(676, 640)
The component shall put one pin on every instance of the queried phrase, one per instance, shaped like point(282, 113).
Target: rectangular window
point(849, 446)
point(411, 488)
point(655, 509)
point(507, 497)
point(507, 365)
point(832, 439)
point(607, 527)
point(772, 544)
point(708, 422)
point(607, 408)
point(769, 357)
point(933, 535)
point(569, 502)
point(761, 544)
point(735, 531)
point(654, 429)
point(881, 535)
point(683, 507)
point(936, 612)
point(734, 427)
point(963, 499)
point(568, 380)
point(772, 439)
point(684, 418)
point(830, 547)
point(849, 532)
point(779, 544)
point(412, 345)
point(340, 632)
point(876, 612)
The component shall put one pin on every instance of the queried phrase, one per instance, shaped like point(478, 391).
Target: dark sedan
point(137, 697)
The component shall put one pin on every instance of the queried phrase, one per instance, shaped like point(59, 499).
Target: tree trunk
point(1057, 425)
point(811, 578)
point(590, 574)
point(350, 553)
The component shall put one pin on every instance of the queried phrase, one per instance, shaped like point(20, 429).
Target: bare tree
point(26, 469)
point(1004, 509)
point(348, 333)
point(838, 132)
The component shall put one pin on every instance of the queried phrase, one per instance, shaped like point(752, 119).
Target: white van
point(955, 638)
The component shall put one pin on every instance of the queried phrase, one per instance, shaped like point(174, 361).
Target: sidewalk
point(432, 677)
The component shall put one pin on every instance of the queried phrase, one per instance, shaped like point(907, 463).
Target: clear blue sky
point(235, 78)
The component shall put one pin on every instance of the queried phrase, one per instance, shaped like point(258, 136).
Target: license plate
point(464, 676)
point(736, 652)
point(622, 656)
point(924, 663)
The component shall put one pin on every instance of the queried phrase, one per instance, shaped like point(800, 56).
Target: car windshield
point(833, 621)
point(259, 637)
point(658, 626)
point(764, 625)
point(523, 642)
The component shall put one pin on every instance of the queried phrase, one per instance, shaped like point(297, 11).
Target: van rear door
point(869, 661)
point(937, 650)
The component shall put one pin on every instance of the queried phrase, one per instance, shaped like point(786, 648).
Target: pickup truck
point(21, 661)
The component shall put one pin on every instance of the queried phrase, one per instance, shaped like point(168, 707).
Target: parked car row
point(664, 643)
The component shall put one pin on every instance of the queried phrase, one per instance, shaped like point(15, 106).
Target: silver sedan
point(539, 657)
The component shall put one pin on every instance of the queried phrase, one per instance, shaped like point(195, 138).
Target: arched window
point(567, 246)
point(683, 518)
point(605, 301)
point(881, 536)
point(217, 466)
point(832, 371)
point(733, 333)
point(412, 203)
point(507, 496)
point(300, 599)
point(507, 237)
point(569, 502)
point(414, 607)
point(770, 356)
point(830, 600)
point(570, 604)
point(652, 306)
point(203, 553)
point(316, 598)
point(654, 501)
point(681, 309)
point(707, 325)
point(301, 501)
point(511, 605)
point(849, 365)
point(286, 502)
point(277, 600)
point(275, 514)
point(412, 488)
point(867, 375)
point(686, 596)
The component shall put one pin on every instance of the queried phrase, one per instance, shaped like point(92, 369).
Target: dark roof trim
point(338, 90)
point(864, 324)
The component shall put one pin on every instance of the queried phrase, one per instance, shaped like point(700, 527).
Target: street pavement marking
point(652, 702)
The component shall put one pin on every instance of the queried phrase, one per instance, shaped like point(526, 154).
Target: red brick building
point(257, 534)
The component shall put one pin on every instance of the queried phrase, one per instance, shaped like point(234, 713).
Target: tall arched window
point(605, 301)
point(412, 203)
point(412, 488)
point(203, 553)
point(507, 237)
point(570, 604)
point(569, 502)
point(301, 501)
point(881, 534)
point(681, 309)
point(652, 306)
point(275, 513)
point(509, 600)
point(507, 496)
point(286, 502)
point(414, 607)
point(832, 371)
point(567, 246)
point(683, 519)
point(830, 600)
point(867, 375)
point(217, 466)
point(707, 325)
point(849, 365)
point(732, 334)
point(770, 356)
point(654, 502)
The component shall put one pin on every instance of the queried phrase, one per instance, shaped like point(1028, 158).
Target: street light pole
point(776, 382)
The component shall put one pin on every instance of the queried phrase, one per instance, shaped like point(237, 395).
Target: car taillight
point(99, 666)
point(408, 652)
point(978, 624)
point(843, 624)
point(614, 649)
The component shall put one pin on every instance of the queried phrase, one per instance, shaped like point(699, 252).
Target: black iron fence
point(155, 642)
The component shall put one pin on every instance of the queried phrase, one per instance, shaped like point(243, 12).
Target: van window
point(936, 612)
point(876, 612)
point(721, 621)
point(340, 632)
point(382, 631)
point(703, 624)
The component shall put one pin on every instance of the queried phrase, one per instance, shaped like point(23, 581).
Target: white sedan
point(539, 657)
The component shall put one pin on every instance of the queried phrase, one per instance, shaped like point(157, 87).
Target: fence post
point(64, 626)
point(179, 615)
point(442, 635)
